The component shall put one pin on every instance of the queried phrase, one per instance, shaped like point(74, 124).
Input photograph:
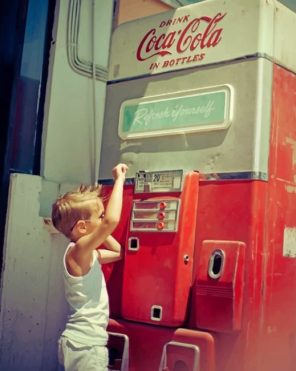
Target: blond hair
point(73, 206)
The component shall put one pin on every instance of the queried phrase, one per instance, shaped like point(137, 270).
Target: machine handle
point(216, 264)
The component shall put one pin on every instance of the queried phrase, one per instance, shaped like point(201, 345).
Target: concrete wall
point(32, 304)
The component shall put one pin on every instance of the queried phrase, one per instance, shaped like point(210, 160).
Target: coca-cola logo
point(197, 35)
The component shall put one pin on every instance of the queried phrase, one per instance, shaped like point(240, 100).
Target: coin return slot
point(133, 243)
point(156, 312)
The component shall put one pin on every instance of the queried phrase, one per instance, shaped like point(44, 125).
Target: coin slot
point(156, 312)
point(133, 243)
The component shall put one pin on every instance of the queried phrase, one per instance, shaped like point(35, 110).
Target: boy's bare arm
point(111, 252)
point(91, 241)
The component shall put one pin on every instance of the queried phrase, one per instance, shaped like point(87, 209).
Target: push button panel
point(155, 215)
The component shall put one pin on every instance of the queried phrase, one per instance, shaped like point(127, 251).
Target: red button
point(161, 215)
point(162, 205)
point(160, 225)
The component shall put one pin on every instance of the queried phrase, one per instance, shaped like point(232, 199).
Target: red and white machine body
point(201, 105)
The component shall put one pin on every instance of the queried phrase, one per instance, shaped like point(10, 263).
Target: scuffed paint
point(289, 244)
point(292, 143)
point(290, 188)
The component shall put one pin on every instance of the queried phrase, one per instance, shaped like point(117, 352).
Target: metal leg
point(125, 352)
point(163, 362)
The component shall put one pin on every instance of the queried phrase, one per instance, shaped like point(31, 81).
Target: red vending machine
point(208, 280)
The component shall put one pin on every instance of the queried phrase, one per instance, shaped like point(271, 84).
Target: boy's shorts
point(79, 357)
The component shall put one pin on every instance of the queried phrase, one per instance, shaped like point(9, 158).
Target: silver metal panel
point(242, 147)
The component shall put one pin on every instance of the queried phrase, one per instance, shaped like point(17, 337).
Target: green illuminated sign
point(172, 115)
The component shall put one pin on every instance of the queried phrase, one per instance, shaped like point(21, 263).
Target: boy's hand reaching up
point(119, 171)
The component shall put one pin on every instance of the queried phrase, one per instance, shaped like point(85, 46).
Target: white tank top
point(89, 305)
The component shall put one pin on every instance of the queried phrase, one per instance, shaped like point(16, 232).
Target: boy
point(80, 216)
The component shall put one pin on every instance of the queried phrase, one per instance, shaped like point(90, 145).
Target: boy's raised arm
point(111, 219)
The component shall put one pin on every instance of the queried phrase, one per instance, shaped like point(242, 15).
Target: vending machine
point(201, 107)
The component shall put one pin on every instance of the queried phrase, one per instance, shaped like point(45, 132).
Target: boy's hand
point(119, 171)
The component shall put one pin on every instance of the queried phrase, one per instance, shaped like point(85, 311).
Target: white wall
point(32, 300)
point(70, 99)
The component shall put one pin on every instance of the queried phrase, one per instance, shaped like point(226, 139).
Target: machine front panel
point(159, 251)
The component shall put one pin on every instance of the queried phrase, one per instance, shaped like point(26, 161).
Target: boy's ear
point(81, 226)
